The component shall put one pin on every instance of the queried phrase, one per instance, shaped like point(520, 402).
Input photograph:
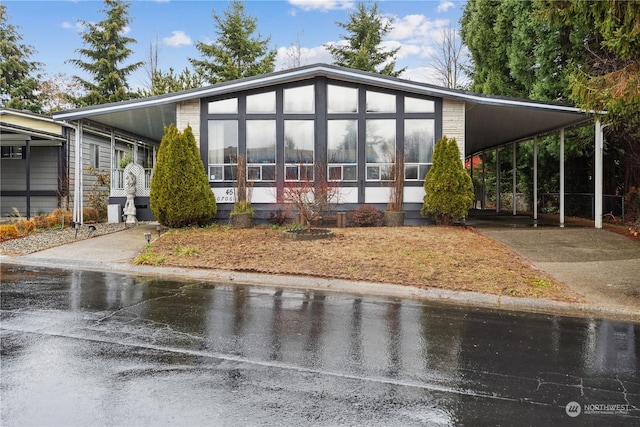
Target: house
point(345, 123)
point(40, 161)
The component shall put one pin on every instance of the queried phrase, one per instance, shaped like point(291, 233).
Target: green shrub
point(366, 216)
point(448, 186)
point(180, 192)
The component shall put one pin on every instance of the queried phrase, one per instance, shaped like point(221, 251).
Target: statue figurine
point(130, 206)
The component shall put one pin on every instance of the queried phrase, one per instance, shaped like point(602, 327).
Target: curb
point(360, 288)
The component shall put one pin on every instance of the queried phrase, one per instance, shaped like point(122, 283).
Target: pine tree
point(448, 186)
point(18, 83)
point(180, 191)
point(106, 49)
point(363, 50)
point(236, 53)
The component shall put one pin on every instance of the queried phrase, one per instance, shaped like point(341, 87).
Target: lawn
point(452, 258)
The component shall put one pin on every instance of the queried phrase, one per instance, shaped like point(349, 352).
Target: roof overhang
point(490, 121)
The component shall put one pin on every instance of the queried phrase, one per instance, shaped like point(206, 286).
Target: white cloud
point(444, 6)
point(313, 55)
point(177, 39)
point(322, 5)
point(78, 26)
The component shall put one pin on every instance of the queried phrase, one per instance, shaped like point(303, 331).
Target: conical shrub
point(448, 186)
point(180, 192)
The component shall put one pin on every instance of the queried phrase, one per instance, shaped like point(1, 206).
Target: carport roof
point(490, 121)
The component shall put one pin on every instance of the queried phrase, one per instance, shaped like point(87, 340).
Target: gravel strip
point(40, 241)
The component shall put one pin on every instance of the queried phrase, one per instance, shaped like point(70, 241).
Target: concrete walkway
point(602, 266)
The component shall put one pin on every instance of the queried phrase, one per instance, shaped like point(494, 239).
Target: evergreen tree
point(162, 83)
point(18, 75)
point(180, 192)
point(448, 187)
point(362, 51)
point(107, 49)
point(236, 53)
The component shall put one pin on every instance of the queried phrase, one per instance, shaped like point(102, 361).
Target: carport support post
point(535, 178)
point(513, 172)
point(498, 179)
point(598, 174)
point(562, 177)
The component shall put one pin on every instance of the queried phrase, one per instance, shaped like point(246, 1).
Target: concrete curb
point(305, 283)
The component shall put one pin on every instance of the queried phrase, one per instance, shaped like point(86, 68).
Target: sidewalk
point(602, 266)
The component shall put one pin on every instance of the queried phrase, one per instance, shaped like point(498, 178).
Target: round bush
point(366, 216)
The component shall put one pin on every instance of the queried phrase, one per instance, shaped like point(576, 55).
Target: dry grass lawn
point(423, 257)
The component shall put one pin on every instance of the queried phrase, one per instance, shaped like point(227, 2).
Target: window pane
point(223, 141)
point(418, 140)
point(216, 173)
point(342, 99)
point(261, 141)
point(381, 141)
point(411, 172)
point(373, 173)
point(298, 141)
point(417, 105)
point(342, 142)
point(349, 173)
point(299, 100)
point(261, 103)
point(380, 102)
point(291, 173)
point(224, 106)
point(269, 173)
point(335, 173)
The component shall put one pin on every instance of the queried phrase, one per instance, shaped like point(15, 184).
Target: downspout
point(28, 177)
point(514, 180)
point(535, 178)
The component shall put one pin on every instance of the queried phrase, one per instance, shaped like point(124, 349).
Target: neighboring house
point(33, 164)
point(345, 123)
point(38, 169)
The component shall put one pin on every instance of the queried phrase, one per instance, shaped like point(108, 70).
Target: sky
point(53, 29)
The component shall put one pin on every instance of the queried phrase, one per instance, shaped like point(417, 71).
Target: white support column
point(78, 192)
point(562, 177)
point(598, 174)
point(484, 181)
point(535, 178)
point(514, 180)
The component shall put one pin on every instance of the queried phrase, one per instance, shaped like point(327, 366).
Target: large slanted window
point(299, 145)
point(223, 149)
point(342, 150)
point(380, 148)
point(261, 150)
point(419, 137)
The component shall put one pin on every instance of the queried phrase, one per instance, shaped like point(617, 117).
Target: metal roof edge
point(307, 72)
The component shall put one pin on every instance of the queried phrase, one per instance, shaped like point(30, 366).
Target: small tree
point(312, 198)
point(180, 191)
point(448, 186)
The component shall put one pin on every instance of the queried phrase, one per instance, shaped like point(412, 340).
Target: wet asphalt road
point(92, 348)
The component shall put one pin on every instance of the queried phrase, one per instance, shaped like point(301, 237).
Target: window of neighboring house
point(11, 152)
point(342, 150)
point(261, 150)
point(419, 135)
point(299, 142)
point(223, 150)
point(380, 148)
point(94, 156)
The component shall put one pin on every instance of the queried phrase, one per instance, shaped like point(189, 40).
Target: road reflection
point(99, 338)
